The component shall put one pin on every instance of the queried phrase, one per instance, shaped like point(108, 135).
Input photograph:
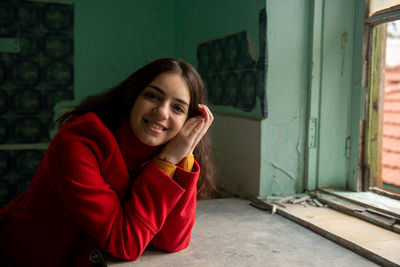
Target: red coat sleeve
point(77, 157)
point(176, 232)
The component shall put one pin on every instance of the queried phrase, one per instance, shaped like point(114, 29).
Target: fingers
point(184, 143)
point(206, 120)
point(202, 129)
point(191, 126)
point(206, 114)
point(181, 145)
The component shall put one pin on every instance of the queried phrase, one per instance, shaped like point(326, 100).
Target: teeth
point(156, 126)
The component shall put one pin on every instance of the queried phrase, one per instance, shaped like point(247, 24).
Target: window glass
point(391, 112)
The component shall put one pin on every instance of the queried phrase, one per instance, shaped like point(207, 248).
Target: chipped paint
point(252, 47)
point(343, 47)
point(235, 77)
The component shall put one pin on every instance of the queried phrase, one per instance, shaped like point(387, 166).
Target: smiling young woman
point(122, 172)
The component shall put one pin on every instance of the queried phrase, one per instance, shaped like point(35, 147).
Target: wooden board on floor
point(360, 236)
point(380, 202)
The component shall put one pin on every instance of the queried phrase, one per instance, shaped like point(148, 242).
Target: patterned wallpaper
point(232, 77)
point(31, 82)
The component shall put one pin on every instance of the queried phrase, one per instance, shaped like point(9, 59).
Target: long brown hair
point(117, 102)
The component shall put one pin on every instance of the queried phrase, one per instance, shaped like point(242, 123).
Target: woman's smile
point(154, 126)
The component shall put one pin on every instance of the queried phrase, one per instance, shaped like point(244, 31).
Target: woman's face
point(160, 110)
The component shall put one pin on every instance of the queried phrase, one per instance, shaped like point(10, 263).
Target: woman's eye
point(150, 95)
point(180, 109)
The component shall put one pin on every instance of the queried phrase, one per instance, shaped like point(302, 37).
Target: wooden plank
point(373, 108)
point(368, 240)
point(299, 200)
point(380, 100)
point(385, 193)
point(369, 199)
point(381, 219)
point(385, 15)
point(316, 201)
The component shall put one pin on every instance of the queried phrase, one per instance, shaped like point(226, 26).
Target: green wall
point(336, 92)
point(308, 62)
point(237, 139)
point(322, 56)
point(283, 132)
point(114, 38)
point(336, 95)
point(262, 156)
point(199, 21)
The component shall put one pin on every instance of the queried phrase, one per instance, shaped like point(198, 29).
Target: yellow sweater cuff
point(165, 166)
point(187, 163)
point(169, 168)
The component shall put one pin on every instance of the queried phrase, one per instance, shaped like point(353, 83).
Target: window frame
point(375, 33)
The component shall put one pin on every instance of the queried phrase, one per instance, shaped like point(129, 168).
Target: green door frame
point(351, 31)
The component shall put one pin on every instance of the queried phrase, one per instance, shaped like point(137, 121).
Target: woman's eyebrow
point(158, 89)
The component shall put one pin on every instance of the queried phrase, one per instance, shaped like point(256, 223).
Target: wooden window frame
point(375, 28)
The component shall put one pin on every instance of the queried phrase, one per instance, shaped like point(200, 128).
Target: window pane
point(391, 114)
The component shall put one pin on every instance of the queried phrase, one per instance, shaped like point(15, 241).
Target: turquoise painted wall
point(199, 21)
point(257, 157)
point(112, 39)
point(337, 98)
point(336, 92)
point(283, 132)
point(357, 98)
point(325, 70)
point(237, 139)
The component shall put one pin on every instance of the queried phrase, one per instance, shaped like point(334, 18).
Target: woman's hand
point(184, 143)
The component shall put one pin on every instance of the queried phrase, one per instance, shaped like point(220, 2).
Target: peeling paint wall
point(112, 40)
point(254, 156)
point(337, 107)
point(257, 157)
point(234, 80)
point(336, 92)
point(237, 139)
point(283, 133)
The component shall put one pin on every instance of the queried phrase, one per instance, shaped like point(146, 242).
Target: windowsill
point(377, 206)
point(366, 239)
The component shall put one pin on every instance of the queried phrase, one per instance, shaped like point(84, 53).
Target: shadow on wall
point(32, 81)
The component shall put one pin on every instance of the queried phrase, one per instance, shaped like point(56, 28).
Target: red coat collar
point(134, 152)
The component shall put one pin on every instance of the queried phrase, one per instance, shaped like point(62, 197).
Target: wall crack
point(282, 170)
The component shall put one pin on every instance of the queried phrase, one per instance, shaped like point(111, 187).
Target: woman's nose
point(161, 112)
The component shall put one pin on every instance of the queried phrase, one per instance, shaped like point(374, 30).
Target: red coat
point(82, 198)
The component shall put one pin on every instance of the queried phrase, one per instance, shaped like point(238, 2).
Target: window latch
point(312, 133)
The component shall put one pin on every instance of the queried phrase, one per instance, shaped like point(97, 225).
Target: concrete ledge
point(229, 232)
